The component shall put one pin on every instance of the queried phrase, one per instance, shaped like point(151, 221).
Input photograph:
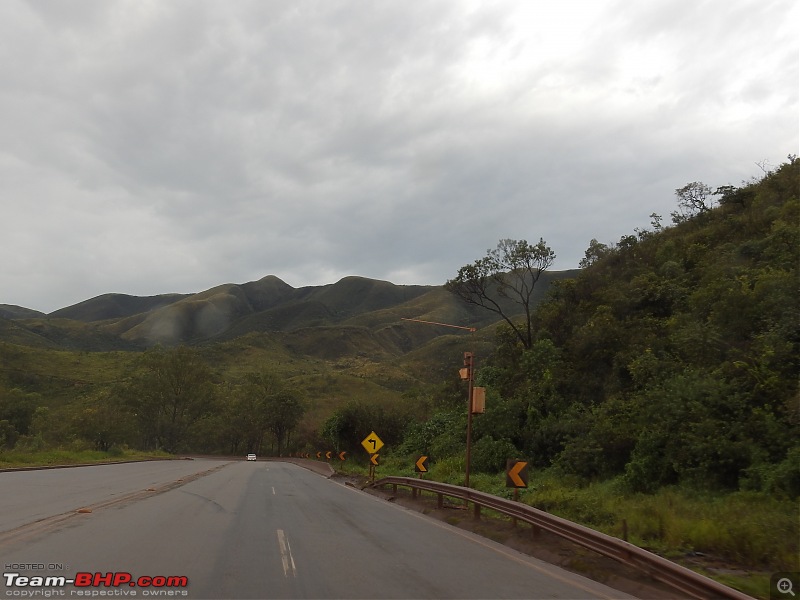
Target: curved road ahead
point(247, 530)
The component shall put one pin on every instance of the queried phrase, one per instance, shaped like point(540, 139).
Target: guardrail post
point(394, 488)
point(439, 500)
point(516, 499)
point(414, 493)
point(536, 531)
point(476, 511)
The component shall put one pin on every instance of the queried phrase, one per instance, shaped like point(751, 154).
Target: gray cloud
point(151, 147)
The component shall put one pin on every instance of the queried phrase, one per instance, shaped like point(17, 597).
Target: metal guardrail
point(682, 579)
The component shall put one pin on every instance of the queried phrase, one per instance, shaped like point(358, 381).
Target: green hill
point(673, 357)
point(10, 311)
point(113, 306)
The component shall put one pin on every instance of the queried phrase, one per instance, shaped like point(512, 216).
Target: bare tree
point(509, 271)
point(693, 199)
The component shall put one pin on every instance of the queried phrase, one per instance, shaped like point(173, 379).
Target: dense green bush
point(489, 455)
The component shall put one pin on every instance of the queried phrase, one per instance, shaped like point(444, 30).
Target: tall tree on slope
point(510, 271)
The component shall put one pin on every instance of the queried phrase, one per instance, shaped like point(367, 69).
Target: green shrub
point(30, 443)
point(490, 455)
point(781, 479)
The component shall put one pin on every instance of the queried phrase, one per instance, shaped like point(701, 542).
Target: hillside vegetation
point(672, 358)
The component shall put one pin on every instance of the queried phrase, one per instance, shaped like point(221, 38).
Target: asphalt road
point(247, 530)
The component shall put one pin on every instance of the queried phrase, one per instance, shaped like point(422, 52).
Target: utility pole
point(468, 374)
point(469, 367)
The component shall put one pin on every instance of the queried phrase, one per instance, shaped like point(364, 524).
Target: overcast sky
point(161, 146)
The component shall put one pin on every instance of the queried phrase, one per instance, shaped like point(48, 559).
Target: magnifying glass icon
point(785, 586)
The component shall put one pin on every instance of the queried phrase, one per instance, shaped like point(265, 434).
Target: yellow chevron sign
point(374, 459)
point(421, 466)
point(516, 474)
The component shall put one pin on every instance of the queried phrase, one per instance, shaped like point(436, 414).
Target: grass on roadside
point(12, 459)
point(749, 529)
point(741, 537)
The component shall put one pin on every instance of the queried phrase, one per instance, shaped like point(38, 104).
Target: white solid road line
point(286, 555)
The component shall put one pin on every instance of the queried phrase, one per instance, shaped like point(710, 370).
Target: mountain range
point(268, 305)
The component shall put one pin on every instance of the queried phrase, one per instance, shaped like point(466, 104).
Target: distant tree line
point(170, 400)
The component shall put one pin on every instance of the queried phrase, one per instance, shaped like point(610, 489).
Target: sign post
point(468, 373)
point(516, 477)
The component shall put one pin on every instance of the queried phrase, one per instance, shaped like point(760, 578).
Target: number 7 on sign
point(372, 443)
